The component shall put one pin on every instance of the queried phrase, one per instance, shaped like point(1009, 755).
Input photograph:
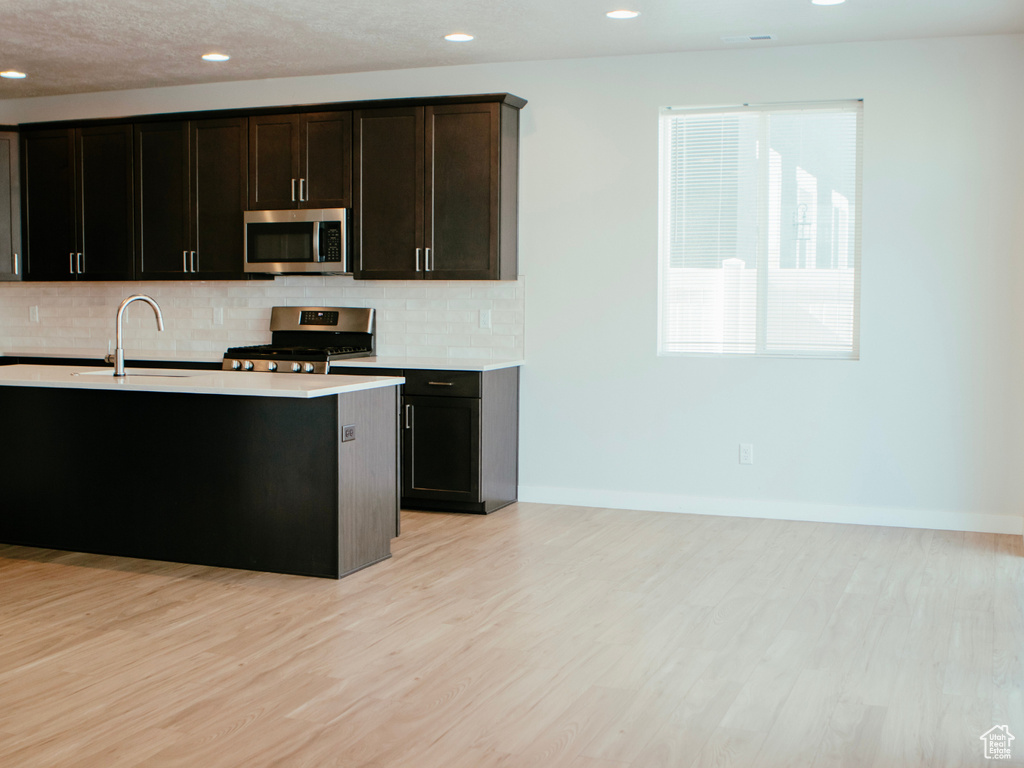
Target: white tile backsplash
point(414, 318)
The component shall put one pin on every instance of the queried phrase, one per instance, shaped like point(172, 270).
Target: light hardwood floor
point(538, 636)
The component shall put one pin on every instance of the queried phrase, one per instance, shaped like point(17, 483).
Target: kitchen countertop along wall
point(414, 318)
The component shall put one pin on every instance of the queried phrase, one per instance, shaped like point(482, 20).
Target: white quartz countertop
point(426, 363)
point(391, 361)
point(196, 382)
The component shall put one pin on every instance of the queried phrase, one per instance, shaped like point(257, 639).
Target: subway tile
point(426, 351)
point(435, 318)
point(470, 353)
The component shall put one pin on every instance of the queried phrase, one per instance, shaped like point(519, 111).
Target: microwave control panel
point(332, 241)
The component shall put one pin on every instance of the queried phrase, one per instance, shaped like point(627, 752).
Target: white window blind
point(760, 230)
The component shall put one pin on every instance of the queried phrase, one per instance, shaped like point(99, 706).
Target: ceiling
point(78, 46)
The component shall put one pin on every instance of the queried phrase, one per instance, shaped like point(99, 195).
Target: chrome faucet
point(118, 356)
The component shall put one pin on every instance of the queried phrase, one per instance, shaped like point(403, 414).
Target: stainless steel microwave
point(297, 242)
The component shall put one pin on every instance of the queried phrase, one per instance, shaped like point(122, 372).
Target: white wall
point(923, 430)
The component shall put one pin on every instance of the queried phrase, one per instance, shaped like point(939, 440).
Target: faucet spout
point(119, 335)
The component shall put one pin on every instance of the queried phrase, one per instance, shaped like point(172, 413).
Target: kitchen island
point(286, 473)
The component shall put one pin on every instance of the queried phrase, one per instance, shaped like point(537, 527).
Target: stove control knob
point(296, 367)
point(236, 364)
point(308, 367)
point(271, 366)
point(247, 365)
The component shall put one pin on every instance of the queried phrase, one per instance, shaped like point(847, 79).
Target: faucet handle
point(108, 358)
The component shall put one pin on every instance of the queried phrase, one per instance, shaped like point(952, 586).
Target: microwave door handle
point(317, 234)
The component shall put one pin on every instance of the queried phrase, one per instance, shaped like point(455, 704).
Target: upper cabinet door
point(463, 170)
point(11, 263)
point(50, 238)
point(274, 162)
point(162, 199)
point(388, 194)
point(219, 154)
point(326, 160)
point(106, 203)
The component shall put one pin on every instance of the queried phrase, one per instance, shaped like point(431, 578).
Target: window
point(760, 230)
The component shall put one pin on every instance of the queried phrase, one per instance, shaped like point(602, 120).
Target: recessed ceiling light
point(458, 37)
point(215, 57)
point(828, 2)
point(622, 14)
point(13, 75)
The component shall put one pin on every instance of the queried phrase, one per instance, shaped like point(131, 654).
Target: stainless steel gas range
point(307, 339)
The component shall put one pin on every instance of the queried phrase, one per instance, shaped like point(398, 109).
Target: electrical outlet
point(348, 432)
point(218, 315)
point(746, 453)
point(485, 318)
point(33, 314)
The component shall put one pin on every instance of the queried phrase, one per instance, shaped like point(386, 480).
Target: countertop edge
point(204, 382)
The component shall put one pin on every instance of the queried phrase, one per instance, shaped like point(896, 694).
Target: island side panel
point(369, 484)
point(240, 482)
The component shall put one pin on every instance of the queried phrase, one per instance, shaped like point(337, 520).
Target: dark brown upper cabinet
point(10, 208)
point(435, 192)
point(77, 203)
point(191, 193)
point(300, 161)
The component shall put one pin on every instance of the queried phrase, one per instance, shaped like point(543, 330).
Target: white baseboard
point(935, 519)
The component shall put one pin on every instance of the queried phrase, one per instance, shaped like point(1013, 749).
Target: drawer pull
point(441, 383)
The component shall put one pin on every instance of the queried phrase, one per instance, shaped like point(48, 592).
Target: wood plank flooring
point(538, 636)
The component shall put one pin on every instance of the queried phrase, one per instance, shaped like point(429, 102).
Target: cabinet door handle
point(418, 250)
point(427, 262)
point(81, 263)
point(15, 264)
point(71, 263)
point(193, 261)
point(408, 416)
point(184, 261)
point(441, 383)
point(303, 192)
point(293, 190)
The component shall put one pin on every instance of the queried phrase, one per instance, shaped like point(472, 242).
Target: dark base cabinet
point(459, 438)
point(261, 483)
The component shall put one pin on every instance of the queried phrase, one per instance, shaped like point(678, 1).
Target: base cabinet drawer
point(443, 383)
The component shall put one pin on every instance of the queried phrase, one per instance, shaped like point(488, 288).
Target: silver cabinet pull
point(15, 264)
point(184, 261)
point(428, 263)
point(81, 263)
point(408, 416)
point(71, 263)
point(441, 383)
point(193, 262)
point(418, 250)
point(293, 190)
point(303, 192)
